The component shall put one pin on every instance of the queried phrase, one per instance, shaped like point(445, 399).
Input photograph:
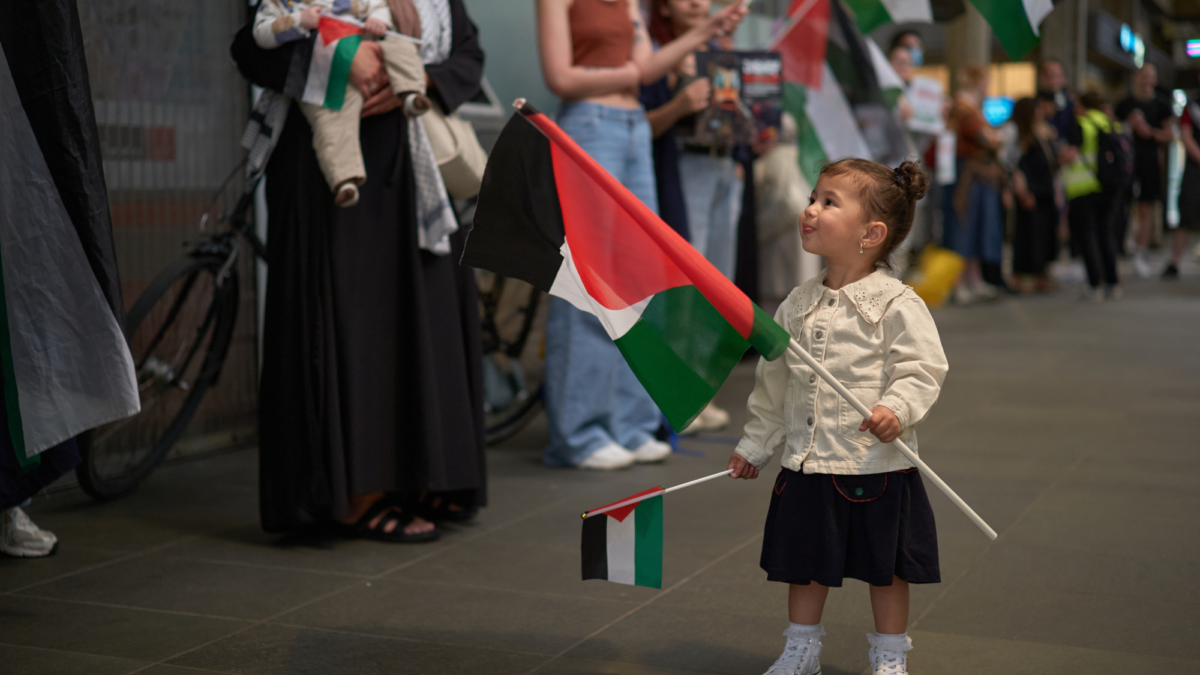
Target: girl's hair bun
point(911, 179)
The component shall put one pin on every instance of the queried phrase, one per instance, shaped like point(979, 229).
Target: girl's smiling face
point(834, 223)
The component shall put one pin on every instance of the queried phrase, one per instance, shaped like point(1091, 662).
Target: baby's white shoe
point(608, 458)
point(889, 653)
point(802, 653)
point(347, 195)
point(416, 105)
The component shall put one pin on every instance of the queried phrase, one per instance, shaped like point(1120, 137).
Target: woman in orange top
point(595, 54)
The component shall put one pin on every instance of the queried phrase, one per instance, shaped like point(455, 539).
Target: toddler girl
point(846, 503)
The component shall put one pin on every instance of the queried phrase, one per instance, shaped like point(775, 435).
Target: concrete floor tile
point(315, 549)
point(175, 670)
point(523, 621)
point(982, 606)
point(710, 642)
point(31, 661)
point(105, 631)
point(161, 582)
point(568, 666)
point(945, 654)
point(270, 650)
point(18, 573)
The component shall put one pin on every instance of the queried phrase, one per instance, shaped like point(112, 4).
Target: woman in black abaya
point(371, 380)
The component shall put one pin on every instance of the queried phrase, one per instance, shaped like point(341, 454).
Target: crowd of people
point(1070, 169)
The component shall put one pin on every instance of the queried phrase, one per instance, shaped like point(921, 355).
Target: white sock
point(892, 642)
point(803, 630)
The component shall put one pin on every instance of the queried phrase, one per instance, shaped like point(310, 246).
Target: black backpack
point(1114, 160)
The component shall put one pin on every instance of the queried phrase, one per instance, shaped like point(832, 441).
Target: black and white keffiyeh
point(435, 217)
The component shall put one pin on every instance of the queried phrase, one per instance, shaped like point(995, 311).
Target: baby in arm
point(335, 132)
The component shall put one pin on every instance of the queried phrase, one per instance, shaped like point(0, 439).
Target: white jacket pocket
point(849, 419)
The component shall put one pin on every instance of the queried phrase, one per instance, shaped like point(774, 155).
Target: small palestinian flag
point(625, 545)
point(550, 215)
point(320, 68)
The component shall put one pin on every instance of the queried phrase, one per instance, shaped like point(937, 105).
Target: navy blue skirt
point(826, 528)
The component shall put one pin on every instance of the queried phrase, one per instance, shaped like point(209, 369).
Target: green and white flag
point(826, 126)
point(1015, 23)
point(65, 363)
point(889, 79)
point(871, 14)
point(625, 545)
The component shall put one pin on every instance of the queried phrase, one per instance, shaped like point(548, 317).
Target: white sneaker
point(888, 654)
point(963, 295)
point(801, 656)
point(652, 451)
point(608, 458)
point(21, 538)
point(711, 418)
point(1141, 266)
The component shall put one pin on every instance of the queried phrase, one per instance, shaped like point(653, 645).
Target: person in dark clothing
point(371, 390)
point(1149, 115)
point(1035, 239)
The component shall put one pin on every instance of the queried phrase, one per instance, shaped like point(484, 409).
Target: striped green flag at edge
point(1015, 23)
point(16, 430)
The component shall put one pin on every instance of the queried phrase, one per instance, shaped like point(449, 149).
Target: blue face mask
point(918, 56)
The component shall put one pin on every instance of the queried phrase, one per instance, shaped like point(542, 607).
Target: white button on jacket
point(877, 337)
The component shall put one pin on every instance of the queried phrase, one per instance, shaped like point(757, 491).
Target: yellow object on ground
point(936, 273)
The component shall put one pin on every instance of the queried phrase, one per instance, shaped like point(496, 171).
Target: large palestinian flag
point(320, 68)
point(550, 215)
point(625, 545)
point(64, 364)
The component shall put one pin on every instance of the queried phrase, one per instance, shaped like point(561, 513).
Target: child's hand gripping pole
point(807, 358)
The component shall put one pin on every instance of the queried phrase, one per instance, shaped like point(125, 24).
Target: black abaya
point(371, 375)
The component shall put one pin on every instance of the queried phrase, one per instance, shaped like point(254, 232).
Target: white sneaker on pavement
point(711, 418)
point(652, 451)
point(1141, 266)
point(801, 655)
point(21, 538)
point(889, 653)
point(608, 458)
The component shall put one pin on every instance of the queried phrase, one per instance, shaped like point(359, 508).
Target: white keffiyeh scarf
point(435, 217)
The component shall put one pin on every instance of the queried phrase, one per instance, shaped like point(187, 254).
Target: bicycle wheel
point(512, 322)
point(179, 332)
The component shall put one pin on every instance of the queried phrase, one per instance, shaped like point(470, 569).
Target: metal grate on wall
point(171, 107)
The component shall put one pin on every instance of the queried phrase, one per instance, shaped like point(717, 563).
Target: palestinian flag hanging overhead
point(320, 68)
point(550, 215)
point(801, 43)
point(1015, 23)
point(625, 545)
point(871, 14)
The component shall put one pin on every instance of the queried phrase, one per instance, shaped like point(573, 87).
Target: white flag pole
point(807, 358)
point(635, 500)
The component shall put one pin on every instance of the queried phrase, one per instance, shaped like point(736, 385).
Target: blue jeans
point(713, 193)
point(592, 396)
point(982, 235)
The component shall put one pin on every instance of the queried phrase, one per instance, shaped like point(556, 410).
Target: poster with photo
point(746, 100)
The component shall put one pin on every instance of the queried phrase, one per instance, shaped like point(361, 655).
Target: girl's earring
point(860, 245)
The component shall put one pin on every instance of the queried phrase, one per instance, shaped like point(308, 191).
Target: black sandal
point(443, 511)
point(362, 528)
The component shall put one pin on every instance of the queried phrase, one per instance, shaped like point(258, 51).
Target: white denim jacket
point(875, 336)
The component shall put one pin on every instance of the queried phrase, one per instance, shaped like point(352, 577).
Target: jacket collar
point(869, 296)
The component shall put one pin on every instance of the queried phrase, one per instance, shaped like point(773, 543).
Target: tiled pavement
point(1073, 428)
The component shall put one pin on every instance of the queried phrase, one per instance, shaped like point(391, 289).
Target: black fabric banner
point(43, 44)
